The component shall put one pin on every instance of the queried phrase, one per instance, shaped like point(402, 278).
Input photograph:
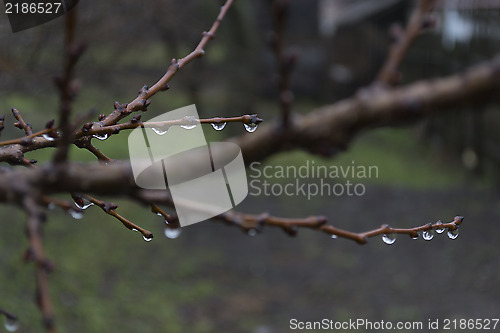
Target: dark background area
point(214, 278)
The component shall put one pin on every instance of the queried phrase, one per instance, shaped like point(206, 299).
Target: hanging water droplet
point(83, 203)
point(428, 234)
point(76, 214)
point(47, 137)
point(191, 122)
point(148, 238)
point(101, 137)
point(453, 234)
point(134, 229)
point(172, 233)
point(51, 206)
point(252, 232)
point(160, 131)
point(414, 236)
point(389, 239)
point(11, 324)
point(219, 126)
point(159, 214)
point(439, 230)
point(334, 236)
point(252, 127)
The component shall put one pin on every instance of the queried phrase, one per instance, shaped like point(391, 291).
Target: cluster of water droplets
point(11, 324)
point(426, 234)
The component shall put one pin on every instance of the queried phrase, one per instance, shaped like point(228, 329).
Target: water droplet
point(47, 137)
point(101, 137)
point(252, 232)
point(439, 230)
point(415, 236)
point(51, 206)
point(83, 203)
point(160, 131)
point(172, 233)
point(428, 234)
point(76, 214)
point(453, 234)
point(252, 127)
point(219, 126)
point(389, 238)
point(11, 324)
point(147, 238)
point(159, 214)
point(191, 122)
point(135, 229)
point(334, 237)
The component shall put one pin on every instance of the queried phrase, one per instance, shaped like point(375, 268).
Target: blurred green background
point(214, 278)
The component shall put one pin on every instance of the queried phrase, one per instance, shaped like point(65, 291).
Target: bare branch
point(21, 123)
point(42, 266)
point(419, 21)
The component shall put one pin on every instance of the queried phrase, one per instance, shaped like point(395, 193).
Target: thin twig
point(419, 20)
point(42, 265)
point(141, 101)
point(21, 123)
point(110, 209)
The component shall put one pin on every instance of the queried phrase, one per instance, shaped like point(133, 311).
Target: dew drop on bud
point(218, 126)
point(172, 233)
point(439, 230)
point(389, 239)
point(160, 131)
point(252, 232)
point(147, 238)
point(453, 234)
point(77, 215)
point(83, 203)
point(11, 324)
point(428, 234)
point(47, 137)
point(101, 137)
point(252, 127)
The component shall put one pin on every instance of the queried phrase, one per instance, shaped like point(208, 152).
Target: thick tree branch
point(330, 128)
